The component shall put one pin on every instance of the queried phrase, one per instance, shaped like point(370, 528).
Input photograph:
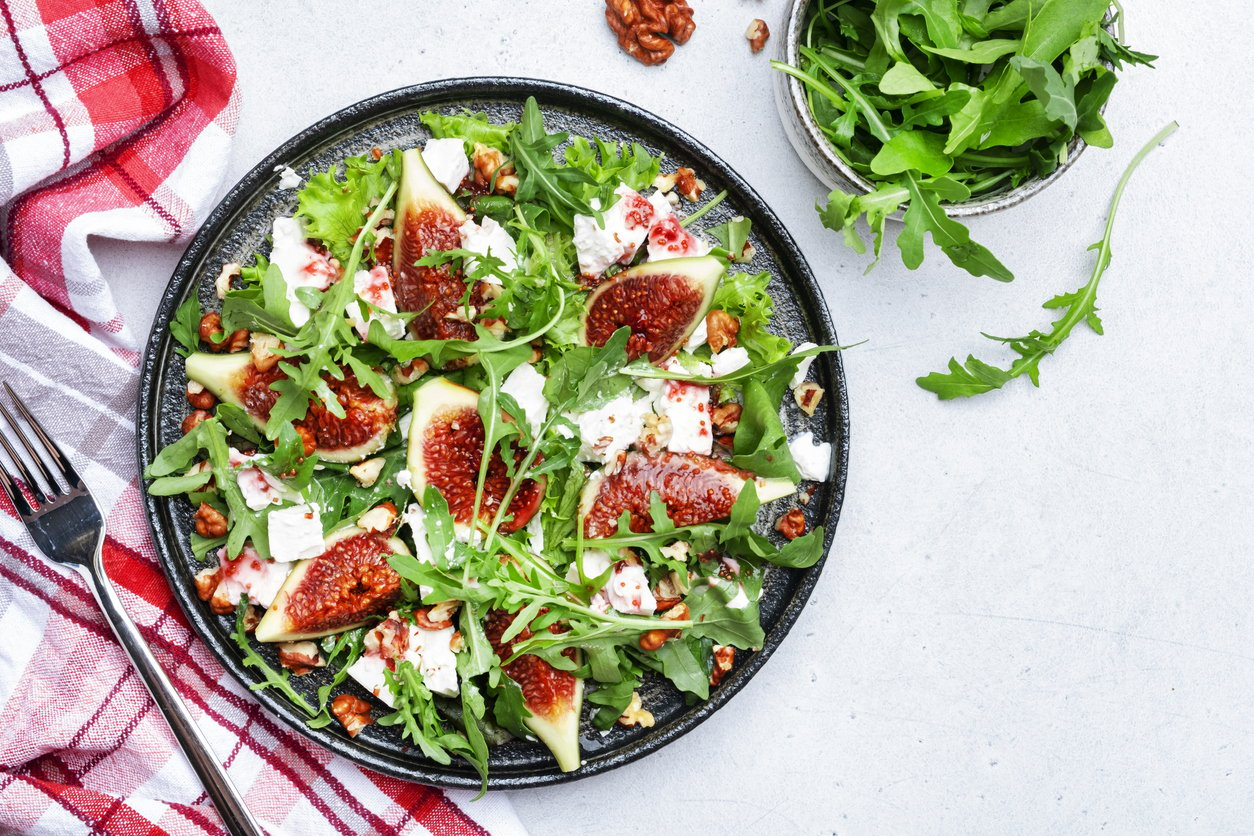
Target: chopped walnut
point(689, 185)
point(352, 712)
point(808, 395)
point(193, 418)
point(726, 417)
point(199, 397)
point(643, 26)
point(207, 581)
point(656, 433)
point(792, 524)
point(300, 657)
point(411, 371)
point(211, 335)
point(251, 618)
point(722, 329)
point(381, 517)
point(223, 282)
point(664, 182)
point(724, 658)
point(635, 715)
point(210, 522)
point(367, 473)
point(756, 34)
point(441, 614)
point(491, 167)
point(262, 348)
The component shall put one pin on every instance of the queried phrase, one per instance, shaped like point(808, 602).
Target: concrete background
point(1036, 614)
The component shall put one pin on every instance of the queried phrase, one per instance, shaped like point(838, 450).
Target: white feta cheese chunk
point(626, 225)
point(803, 368)
point(448, 161)
point(404, 478)
point(260, 488)
point(595, 564)
point(489, 238)
point(526, 385)
point(699, 337)
point(249, 575)
point(368, 671)
point(431, 652)
point(667, 236)
point(610, 429)
point(300, 264)
point(628, 590)
point(375, 287)
point(535, 533)
point(687, 405)
point(295, 533)
point(813, 460)
point(729, 360)
point(288, 179)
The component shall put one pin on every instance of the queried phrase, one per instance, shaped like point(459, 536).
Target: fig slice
point(445, 450)
point(553, 697)
point(362, 431)
point(662, 302)
point(342, 588)
point(696, 489)
point(429, 220)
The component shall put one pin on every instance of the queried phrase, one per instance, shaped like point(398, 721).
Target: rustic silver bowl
point(827, 165)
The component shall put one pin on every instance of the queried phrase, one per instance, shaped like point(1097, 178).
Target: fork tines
point(50, 459)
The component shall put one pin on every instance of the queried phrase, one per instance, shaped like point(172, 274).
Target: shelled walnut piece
point(643, 27)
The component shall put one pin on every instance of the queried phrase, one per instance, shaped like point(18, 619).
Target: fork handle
point(235, 815)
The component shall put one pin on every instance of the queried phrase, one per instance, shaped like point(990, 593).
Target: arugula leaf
point(540, 178)
point(746, 297)
point(733, 236)
point(270, 678)
point(976, 377)
point(185, 326)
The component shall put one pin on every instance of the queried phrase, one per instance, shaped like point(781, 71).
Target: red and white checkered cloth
point(115, 119)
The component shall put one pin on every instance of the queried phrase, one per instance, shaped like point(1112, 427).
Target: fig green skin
point(276, 626)
point(224, 375)
point(700, 275)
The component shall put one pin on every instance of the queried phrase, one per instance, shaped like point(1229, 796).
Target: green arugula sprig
point(976, 377)
point(270, 678)
point(938, 101)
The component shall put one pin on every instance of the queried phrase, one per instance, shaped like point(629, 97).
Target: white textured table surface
point(1036, 616)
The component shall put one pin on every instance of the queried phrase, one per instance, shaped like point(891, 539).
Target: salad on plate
point(490, 430)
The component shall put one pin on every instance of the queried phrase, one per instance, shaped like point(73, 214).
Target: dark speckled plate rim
point(792, 265)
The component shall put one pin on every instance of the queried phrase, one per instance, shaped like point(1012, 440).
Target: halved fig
point(428, 220)
point(363, 430)
point(553, 697)
point(662, 302)
point(696, 489)
point(342, 588)
point(445, 449)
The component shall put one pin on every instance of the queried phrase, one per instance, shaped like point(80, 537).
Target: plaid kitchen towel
point(115, 119)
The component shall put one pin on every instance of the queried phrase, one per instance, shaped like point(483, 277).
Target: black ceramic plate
point(238, 228)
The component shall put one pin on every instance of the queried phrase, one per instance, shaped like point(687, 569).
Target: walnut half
point(644, 26)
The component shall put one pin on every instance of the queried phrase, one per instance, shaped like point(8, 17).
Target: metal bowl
point(827, 165)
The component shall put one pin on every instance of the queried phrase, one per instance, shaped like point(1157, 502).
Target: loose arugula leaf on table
point(943, 102)
point(975, 377)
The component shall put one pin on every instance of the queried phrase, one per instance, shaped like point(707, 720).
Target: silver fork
point(68, 527)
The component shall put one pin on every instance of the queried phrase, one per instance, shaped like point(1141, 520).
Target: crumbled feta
point(300, 264)
point(626, 225)
point(446, 158)
point(667, 236)
point(429, 651)
point(535, 531)
point(526, 385)
point(405, 479)
point(375, 286)
point(295, 533)
point(803, 368)
point(698, 338)
point(260, 488)
point(729, 360)
point(489, 238)
point(249, 574)
point(368, 671)
point(416, 519)
point(288, 179)
point(687, 406)
point(608, 430)
point(628, 590)
point(813, 460)
point(595, 564)
point(402, 426)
